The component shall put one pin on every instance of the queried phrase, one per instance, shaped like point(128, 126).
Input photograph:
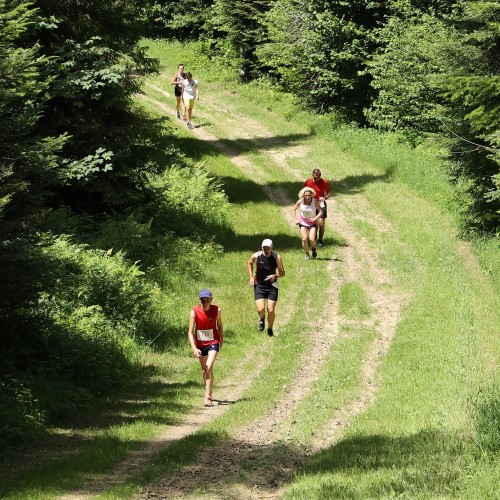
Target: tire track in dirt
point(262, 442)
point(193, 422)
point(232, 389)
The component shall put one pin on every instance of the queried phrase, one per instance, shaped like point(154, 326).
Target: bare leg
point(304, 235)
point(189, 109)
point(271, 306)
point(312, 237)
point(260, 304)
point(207, 367)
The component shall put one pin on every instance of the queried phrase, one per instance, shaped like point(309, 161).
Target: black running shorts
point(325, 214)
point(265, 292)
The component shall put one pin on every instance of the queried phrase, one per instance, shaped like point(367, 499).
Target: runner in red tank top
point(206, 335)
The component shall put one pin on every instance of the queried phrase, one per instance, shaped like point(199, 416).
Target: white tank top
point(307, 212)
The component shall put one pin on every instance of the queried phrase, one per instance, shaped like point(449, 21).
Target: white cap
point(267, 243)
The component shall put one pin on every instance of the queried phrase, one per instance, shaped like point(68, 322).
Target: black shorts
point(205, 350)
point(265, 292)
point(178, 91)
point(324, 210)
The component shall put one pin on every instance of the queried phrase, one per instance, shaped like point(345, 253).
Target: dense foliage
point(88, 209)
point(324, 59)
point(426, 69)
point(89, 185)
point(180, 20)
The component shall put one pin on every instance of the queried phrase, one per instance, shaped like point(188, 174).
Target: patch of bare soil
point(270, 458)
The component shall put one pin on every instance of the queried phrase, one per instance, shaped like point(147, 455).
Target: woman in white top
point(189, 94)
point(307, 219)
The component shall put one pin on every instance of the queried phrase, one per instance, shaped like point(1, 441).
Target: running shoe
point(178, 116)
point(189, 126)
point(261, 325)
point(307, 257)
point(270, 332)
point(314, 253)
point(320, 243)
point(207, 401)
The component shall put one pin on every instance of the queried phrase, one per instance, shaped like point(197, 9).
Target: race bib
point(205, 335)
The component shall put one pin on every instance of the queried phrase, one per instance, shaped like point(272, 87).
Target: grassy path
point(377, 257)
point(382, 342)
point(271, 430)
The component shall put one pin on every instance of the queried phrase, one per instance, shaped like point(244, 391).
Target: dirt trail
point(265, 442)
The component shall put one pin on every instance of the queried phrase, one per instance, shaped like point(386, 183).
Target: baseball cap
point(267, 243)
point(205, 294)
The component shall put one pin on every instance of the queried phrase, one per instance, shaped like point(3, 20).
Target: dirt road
point(265, 443)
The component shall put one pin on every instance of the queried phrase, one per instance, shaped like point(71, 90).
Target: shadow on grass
point(428, 463)
point(282, 242)
point(244, 191)
point(79, 444)
point(236, 147)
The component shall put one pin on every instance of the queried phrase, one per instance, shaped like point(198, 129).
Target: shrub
point(19, 411)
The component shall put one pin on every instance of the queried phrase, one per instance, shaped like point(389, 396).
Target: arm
point(319, 215)
point(281, 268)
point(220, 327)
point(174, 80)
point(294, 212)
point(327, 190)
point(196, 351)
point(250, 262)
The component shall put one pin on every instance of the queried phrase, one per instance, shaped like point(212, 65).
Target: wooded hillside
point(429, 70)
point(82, 168)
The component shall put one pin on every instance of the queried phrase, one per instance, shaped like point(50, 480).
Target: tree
point(471, 85)
point(180, 20)
point(66, 114)
point(28, 154)
point(403, 70)
point(319, 49)
point(235, 31)
point(93, 50)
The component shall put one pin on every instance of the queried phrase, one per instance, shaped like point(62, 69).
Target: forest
point(92, 234)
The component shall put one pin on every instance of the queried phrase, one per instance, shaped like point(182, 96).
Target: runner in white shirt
point(189, 95)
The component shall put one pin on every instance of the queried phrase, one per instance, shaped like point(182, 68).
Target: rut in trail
point(263, 444)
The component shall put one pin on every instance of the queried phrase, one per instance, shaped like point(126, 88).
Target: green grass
point(353, 301)
point(338, 384)
point(415, 441)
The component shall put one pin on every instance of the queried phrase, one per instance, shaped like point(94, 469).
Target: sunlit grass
point(353, 301)
point(415, 440)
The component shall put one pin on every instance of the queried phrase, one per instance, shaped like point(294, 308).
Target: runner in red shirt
point(205, 335)
point(322, 190)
